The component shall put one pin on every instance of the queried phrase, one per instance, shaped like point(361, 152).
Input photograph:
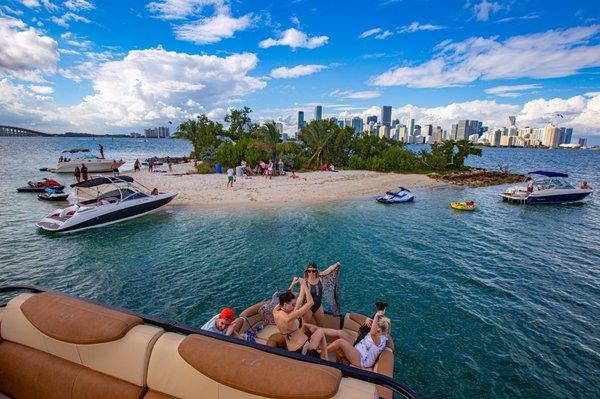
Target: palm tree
point(316, 135)
point(269, 138)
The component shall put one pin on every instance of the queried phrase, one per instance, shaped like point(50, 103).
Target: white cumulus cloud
point(41, 89)
point(180, 9)
point(79, 5)
point(296, 71)
point(295, 38)
point(511, 91)
point(67, 17)
point(553, 53)
point(24, 51)
point(355, 95)
point(212, 29)
point(482, 10)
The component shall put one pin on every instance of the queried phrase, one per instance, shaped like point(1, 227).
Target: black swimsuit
point(317, 294)
point(288, 336)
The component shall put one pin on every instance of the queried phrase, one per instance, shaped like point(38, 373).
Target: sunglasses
point(312, 271)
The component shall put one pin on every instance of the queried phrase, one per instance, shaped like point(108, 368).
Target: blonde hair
point(385, 324)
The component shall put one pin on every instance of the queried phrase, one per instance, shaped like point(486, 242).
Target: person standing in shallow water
point(77, 174)
point(84, 172)
point(101, 147)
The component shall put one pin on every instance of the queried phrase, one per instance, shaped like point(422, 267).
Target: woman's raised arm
point(331, 268)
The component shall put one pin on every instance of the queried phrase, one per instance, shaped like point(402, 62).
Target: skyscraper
point(372, 118)
point(511, 121)
point(568, 135)
point(410, 126)
point(386, 115)
point(454, 131)
point(427, 130)
point(462, 131)
point(279, 126)
point(357, 125)
point(551, 136)
point(318, 112)
point(300, 120)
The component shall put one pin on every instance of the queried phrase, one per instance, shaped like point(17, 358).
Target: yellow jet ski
point(463, 206)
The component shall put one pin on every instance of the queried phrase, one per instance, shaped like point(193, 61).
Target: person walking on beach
point(84, 172)
point(230, 178)
point(270, 170)
point(77, 174)
point(150, 164)
point(281, 167)
point(136, 165)
point(115, 167)
point(101, 147)
point(170, 164)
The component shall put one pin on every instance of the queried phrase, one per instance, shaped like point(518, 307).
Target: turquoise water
point(499, 303)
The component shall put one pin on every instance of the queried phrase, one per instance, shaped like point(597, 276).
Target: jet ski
point(391, 197)
point(52, 194)
point(40, 186)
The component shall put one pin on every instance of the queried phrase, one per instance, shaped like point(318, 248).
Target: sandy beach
point(311, 188)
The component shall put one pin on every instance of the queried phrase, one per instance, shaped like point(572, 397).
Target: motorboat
point(76, 157)
point(396, 197)
point(543, 187)
point(52, 194)
point(102, 351)
point(463, 206)
point(112, 200)
point(40, 186)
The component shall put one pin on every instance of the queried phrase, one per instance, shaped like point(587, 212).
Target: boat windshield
point(109, 188)
point(544, 184)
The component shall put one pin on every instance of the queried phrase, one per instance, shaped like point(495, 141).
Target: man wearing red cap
point(220, 323)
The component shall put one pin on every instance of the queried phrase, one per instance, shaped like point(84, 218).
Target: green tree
point(337, 150)
point(316, 136)
point(269, 138)
point(464, 149)
point(201, 132)
point(239, 122)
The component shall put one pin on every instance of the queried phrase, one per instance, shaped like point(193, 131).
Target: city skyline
point(116, 67)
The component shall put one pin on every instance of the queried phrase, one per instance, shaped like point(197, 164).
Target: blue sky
point(108, 66)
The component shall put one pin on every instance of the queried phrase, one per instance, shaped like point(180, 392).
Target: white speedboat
point(70, 159)
point(396, 197)
point(541, 187)
point(116, 199)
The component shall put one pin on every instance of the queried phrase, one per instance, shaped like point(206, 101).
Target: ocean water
point(499, 303)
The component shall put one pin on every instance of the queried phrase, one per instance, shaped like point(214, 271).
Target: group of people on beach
point(301, 321)
point(261, 169)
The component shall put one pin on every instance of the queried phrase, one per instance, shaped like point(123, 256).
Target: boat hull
point(93, 165)
point(105, 217)
point(30, 189)
point(569, 197)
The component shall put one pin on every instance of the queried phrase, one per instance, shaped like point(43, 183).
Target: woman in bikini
point(365, 352)
point(288, 319)
point(316, 315)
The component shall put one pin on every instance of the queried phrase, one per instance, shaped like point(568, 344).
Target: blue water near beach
point(499, 303)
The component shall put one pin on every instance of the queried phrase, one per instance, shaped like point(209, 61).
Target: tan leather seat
point(202, 367)
point(56, 346)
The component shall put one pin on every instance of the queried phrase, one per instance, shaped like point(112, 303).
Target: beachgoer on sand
point(230, 178)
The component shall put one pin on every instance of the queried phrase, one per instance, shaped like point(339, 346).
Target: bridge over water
point(14, 131)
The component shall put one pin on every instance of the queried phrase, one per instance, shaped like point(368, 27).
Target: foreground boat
point(396, 197)
point(55, 345)
point(542, 187)
point(70, 159)
point(116, 199)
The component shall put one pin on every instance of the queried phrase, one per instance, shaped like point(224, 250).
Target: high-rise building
point(372, 118)
point(411, 126)
point(318, 112)
point(402, 133)
point(340, 123)
point(395, 122)
point(454, 131)
point(551, 136)
point(462, 131)
point(163, 132)
point(511, 121)
point(582, 142)
point(473, 128)
point(417, 130)
point(386, 115)
point(357, 125)
point(300, 120)
point(279, 127)
point(568, 135)
point(437, 135)
point(427, 130)
point(384, 131)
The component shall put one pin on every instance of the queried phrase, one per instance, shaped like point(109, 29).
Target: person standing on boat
point(84, 172)
point(316, 281)
point(101, 148)
point(77, 174)
point(221, 322)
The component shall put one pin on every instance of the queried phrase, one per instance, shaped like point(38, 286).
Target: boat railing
point(172, 326)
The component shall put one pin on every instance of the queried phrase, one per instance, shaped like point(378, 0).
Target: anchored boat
point(55, 345)
point(70, 159)
point(115, 199)
point(396, 197)
point(542, 187)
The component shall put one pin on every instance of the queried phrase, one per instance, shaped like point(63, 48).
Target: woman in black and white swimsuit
point(316, 315)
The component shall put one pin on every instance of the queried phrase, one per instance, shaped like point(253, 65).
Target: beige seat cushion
point(75, 321)
point(125, 358)
point(256, 372)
